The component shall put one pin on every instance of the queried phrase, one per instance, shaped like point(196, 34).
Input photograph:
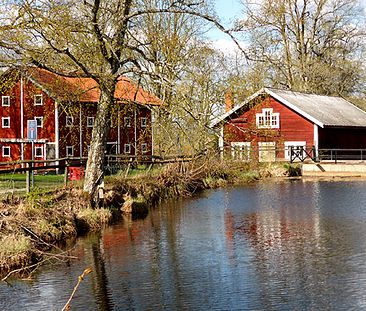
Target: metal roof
point(321, 110)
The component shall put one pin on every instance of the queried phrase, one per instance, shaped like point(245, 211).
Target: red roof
point(87, 90)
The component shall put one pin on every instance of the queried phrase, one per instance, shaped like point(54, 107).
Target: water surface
point(267, 246)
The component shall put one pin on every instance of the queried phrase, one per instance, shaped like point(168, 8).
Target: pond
point(266, 246)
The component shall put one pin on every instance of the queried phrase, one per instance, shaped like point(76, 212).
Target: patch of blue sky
point(227, 11)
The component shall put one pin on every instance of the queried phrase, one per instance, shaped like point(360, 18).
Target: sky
point(227, 10)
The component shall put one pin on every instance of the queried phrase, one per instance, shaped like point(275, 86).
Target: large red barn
point(272, 122)
point(64, 110)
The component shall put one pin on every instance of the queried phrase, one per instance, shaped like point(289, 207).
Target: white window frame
point(267, 119)
point(144, 147)
point(143, 122)
point(2, 122)
point(67, 119)
point(127, 148)
point(127, 121)
point(88, 119)
point(35, 152)
point(9, 151)
point(72, 151)
point(36, 97)
point(39, 118)
point(240, 150)
point(294, 144)
point(4, 99)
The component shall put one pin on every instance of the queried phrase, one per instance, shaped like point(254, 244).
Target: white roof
point(321, 110)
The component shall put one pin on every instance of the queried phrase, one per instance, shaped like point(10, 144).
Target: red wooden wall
point(68, 136)
point(293, 127)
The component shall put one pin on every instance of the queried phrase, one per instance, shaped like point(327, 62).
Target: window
point(38, 99)
point(5, 101)
point(69, 151)
point(143, 122)
point(127, 121)
point(127, 148)
point(268, 119)
point(144, 148)
point(298, 150)
point(90, 121)
point(69, 121)
point(39, 121)
point(240, 151)
point(38, 152)
point(6, 151)
point(5, 122)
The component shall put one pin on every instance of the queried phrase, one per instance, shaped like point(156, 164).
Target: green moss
point(92, 219)
point(247, 176)
point(13, 245)
point(293, 169)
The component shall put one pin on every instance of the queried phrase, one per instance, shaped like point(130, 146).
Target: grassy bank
point(30, 227)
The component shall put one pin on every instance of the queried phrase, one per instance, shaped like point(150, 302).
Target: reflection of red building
point(64, 110)
point(272, 228)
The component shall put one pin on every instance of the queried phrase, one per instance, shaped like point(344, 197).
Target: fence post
point(28, 179)
point(66, 176)
point(32, 164)
point(291, 154)
point(128, 168)
point(315, 158)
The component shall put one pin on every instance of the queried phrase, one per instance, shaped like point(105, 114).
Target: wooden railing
point(70, 167)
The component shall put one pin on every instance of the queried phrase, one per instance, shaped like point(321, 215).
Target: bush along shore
point(31, 227)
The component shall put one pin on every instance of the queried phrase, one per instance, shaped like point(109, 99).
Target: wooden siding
point(68, 135)
point(293, 127)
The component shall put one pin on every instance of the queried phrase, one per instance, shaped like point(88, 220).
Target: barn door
point(267, 151)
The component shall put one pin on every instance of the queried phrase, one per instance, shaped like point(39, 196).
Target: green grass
point(18, 181)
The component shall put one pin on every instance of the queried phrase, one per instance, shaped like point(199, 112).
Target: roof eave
point(344, 126)
point(295, 108)
point(221, 119)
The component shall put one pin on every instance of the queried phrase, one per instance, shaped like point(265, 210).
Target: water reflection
point(100, 278)
point(301, 255)
point(284, 246)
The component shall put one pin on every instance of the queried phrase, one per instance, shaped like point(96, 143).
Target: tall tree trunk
point(94, 174)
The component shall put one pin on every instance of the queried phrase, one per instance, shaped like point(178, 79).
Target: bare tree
point(307, 45)
point(101, 39)
point(184, 127)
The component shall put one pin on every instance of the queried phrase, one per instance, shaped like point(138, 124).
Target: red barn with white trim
point(64, 110)
point(271, 121)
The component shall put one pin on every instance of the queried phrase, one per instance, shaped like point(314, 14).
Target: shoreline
point(30, 228)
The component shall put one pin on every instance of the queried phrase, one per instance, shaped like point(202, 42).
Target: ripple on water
point(270, 246)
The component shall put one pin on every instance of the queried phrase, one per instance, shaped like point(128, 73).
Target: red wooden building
point(272, 122)
point(64, 110)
